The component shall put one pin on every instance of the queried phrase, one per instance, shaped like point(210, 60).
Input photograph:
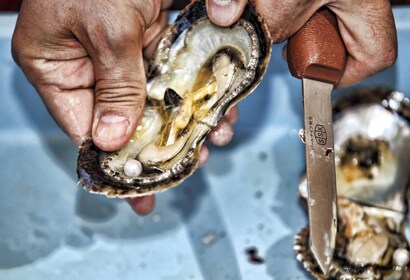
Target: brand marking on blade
point(311, 132)
point(320, 134)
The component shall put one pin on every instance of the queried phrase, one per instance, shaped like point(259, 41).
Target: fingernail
point(222, 11)
point(111, 127)
point(222, 2)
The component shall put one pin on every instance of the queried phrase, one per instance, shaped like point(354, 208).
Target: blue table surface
point(245, 197)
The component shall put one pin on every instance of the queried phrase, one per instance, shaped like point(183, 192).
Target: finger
point(146, 65)
point(120, 87)
point(232, 115)
point(222, 134)
point(142, 205)
point(203, 156)
point(72, 110)
point(369, 34)
point(225, 12)
point(155, 29)
point(119, 101)
point(153, 35)
point(59, 69)
point(66, 89)
point(166, 4)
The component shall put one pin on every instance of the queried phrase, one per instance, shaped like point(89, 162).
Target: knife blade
point(316, 54)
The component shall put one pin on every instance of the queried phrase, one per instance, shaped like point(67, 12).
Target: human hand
point(87, 61)
point(366, 27)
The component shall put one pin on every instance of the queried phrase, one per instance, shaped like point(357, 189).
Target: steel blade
point(320, 169)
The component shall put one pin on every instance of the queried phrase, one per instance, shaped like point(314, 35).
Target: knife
point(316, 54)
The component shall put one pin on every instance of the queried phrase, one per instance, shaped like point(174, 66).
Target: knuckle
point(116, 31)
point(121, 94)
point(113, 35)
point(278, 31)
point(148, 11)
point(279, 36)
point(390, 57)
point(110, 37)
point(382, 58)
point(118, 38)
point(386, 63)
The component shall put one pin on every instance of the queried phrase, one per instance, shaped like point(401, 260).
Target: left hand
point(87, 60)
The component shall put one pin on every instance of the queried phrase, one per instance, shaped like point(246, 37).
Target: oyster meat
point(372, 145)
point(199, 71)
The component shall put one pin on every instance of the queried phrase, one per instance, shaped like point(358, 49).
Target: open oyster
point(372, 145)
point(199, 71)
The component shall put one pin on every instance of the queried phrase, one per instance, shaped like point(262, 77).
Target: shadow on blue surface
point(277, 261)
point(202, 218)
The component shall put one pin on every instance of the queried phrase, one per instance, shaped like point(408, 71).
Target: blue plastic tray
point(245, 197)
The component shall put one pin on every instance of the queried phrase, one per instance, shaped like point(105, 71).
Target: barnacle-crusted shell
point(199, 71)
point(372, 144)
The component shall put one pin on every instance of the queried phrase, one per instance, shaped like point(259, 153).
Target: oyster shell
point(199, 71)
point(372, 144)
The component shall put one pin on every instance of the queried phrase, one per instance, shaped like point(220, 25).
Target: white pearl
point(132, 168)
point(401, 257)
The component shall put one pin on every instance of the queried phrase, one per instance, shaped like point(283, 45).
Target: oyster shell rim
point(305, 258)
point(93, 179)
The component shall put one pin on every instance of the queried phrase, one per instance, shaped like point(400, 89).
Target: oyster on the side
point(372, 157)
point(199, 71)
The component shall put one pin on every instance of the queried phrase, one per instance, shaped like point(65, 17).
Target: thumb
point(225, 12)
point(120, 90)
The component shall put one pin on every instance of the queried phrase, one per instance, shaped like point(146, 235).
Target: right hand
point(367, 28)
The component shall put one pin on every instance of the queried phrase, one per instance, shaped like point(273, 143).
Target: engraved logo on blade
point(320, 134)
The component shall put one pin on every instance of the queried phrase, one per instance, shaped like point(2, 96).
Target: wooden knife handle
point(317, 51)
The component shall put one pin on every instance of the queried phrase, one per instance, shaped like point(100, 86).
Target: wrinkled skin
point(367, 28)
point(88, 61)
